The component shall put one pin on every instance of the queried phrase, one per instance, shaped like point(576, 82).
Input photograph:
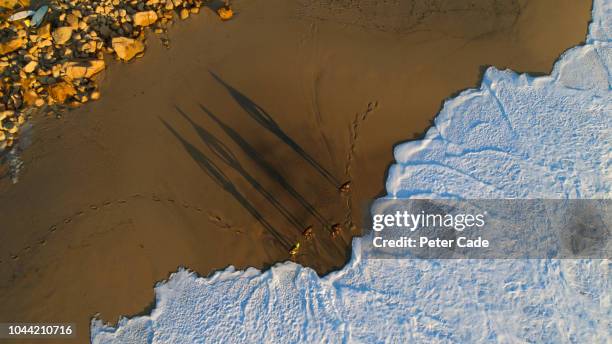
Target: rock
point(145, 18)
point(6, 114)
point(127, 48)
point(30, 67)
point(12, 45)
point(61, 91)
point(73, 21)
point(11, 4)
point(225, 13)
point(61, 35)
point(45, 31)
point(184, 14)
point(30, 97)
point(78, 70)
point(89, 47)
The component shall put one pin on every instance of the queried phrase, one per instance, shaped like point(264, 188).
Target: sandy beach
point(227, 147)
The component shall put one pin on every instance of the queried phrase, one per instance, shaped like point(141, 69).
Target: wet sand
point(224, 148)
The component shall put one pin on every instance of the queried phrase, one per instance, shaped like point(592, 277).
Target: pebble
point(78, 70)
point(61, 35)
point(145, 18)
point(225, 13)
point(30, 67)
point(184, 14)
point(127, 48)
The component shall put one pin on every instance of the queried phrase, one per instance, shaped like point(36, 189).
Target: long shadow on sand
point(266, 121)
point(217, 175)
point(225, 154)
point(252, 153)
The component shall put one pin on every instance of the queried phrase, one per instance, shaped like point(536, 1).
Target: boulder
point(127, 48)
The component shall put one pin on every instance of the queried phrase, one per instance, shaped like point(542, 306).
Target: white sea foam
point(515, 137)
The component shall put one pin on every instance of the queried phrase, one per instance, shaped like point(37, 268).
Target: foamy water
point(514, 137)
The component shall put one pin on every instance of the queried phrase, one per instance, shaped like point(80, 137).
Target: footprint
point(217, 220)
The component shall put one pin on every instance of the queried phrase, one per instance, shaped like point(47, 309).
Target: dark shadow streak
point(271, 171)
point(226, 155)
point(221, 179)
point(265, 120)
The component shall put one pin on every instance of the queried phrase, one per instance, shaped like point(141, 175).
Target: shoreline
point(161, 154)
